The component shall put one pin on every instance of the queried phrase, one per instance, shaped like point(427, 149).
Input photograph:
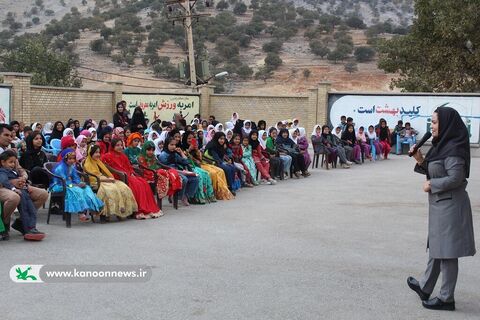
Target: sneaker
point(34, 235)
point(345, 166)
point(263, 182)
point(156, 214)
point(286, 177)
point(272, 181)
point(357, 162)
point(185, 202)
point(18, 225)
point(248, 185)
point(349, 163)
point(296, 175)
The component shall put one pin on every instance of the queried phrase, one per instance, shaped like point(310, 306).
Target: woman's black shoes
point(437, 304)
point(415, 286)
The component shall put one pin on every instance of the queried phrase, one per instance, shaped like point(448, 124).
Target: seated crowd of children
point(131, 165)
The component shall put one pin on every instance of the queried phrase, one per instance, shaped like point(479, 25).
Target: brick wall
point(51, 104)
point(269, 108)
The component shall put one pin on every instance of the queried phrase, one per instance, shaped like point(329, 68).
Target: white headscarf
point(34, 126)
point(290, 132)
point(235, 117)
point(293, 123)
point(47, 128)
point(150, 135)
point(156, 143)
point(227, 131)
point(92, 130)
point(68, 132)
point(314, 132)
point(247, 131)
point(217, 127)
point(111, 125)
point(229, 125)
point(263, 143)
point(302, 131)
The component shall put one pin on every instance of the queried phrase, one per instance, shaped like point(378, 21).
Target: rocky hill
point(268, 46)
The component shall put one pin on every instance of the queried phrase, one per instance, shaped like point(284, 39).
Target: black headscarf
point(453, 139)
point(102, 132)
point(384, 131)
point(215, 145)
point(253, 143)
point(185, 142)
point(56, 134)
point(33, 157)
point(347, 135)
point(286, 141)
point(325, 135)
point(138, 118)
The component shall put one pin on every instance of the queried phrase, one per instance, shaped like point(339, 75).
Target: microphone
point(420, 144)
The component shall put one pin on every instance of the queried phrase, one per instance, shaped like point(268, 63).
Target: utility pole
point(186, 19)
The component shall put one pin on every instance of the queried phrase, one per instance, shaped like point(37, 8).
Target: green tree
point(364, 54)
point(336, 56)
point(273, 46)
point(240, 8)
point(441, 52)
point(32, 55)
point(222, 5)
point(244, 71)
point(318, 48)
point(273, 61)
point(36, 20)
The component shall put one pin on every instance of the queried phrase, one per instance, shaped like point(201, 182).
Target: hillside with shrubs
point(267, 46)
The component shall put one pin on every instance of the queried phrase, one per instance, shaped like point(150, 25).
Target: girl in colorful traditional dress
point(132, 151)
point(237, 155)
point(262, 163)
point(383, 133)
point(276, 163)
point(79, 198)
point(216, 151)
point(373, 139)
point(168, 180)
point(117, 196)
point(205, 192)
point(115, 158)
point(174, 157)
point(248, 161)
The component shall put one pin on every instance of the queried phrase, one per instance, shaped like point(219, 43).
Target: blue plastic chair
point(56, 145)
point(401, 143)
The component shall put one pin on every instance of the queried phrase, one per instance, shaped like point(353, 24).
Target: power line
point(106, 81)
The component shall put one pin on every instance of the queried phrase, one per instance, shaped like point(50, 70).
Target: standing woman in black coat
point(120, 118)
point(450, 225)
point(138, 122)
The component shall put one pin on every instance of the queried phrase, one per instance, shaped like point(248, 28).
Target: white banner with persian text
point(417, 109)
point(4, 105)
point(163, 106)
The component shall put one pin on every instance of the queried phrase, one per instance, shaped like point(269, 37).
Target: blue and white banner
point(367, 109)
point(4, 105)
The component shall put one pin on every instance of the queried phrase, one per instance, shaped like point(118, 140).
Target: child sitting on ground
point(28, 213)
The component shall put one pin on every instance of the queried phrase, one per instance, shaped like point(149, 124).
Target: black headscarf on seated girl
point(253, 143)
point(323, 131)
point(214, 145)
point(104, 131)
point(33, 157)
point(185, 141)
point(57, 134)
point(453, 138)
point(285, 141)
point(347, 135)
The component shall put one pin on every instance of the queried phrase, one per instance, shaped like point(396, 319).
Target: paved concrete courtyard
point(337, 245)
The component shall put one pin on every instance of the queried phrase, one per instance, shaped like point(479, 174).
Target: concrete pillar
point(20, 96)
point(322, 102)
point(117, 88)
point(205, 92)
